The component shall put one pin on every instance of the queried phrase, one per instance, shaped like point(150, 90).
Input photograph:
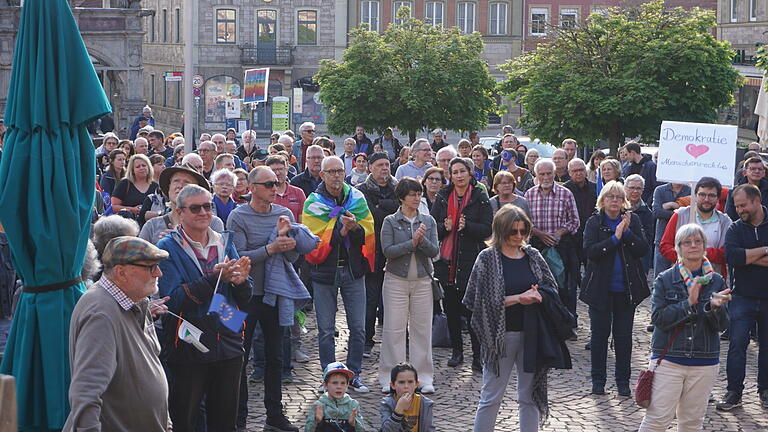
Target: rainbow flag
point(255, 87)
point(321, 215)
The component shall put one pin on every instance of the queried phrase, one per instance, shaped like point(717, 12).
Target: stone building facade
point(744, 23)
point(231, 37)
point(111, 30)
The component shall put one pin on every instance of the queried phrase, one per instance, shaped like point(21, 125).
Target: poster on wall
point(256, 85)
point(217, 91)
point(233, 108)
point(690, 151)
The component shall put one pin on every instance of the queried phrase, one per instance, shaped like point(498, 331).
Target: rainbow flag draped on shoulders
point(321, 214)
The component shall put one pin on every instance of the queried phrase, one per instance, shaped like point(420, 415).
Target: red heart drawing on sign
point(696, 150)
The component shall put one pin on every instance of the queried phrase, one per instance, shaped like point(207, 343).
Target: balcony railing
point(250, 55)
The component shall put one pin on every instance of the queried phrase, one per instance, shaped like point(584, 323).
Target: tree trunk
point(411, 137)
point(614, 138)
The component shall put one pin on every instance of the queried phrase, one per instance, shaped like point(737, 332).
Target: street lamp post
point(189, 135)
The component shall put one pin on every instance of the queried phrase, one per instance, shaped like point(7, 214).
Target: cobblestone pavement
point(572, 407)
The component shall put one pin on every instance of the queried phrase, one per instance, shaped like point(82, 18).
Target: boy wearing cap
point(335, 410)
point(113, 348)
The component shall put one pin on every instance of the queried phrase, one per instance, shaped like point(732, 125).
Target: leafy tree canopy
point(621, 74)
point(414, 76)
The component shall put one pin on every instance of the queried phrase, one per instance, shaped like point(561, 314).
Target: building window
point(435, 13)
point(165, 25)
point(466, 17)
point(226, 26)
point(734, 11)
point(217, 90)
point(539, 21)
point(396, 7)
point(307, 28)
point(753, 10)
point(498, 14)
point(152, 88)
point(151, 29)
point(369, 14)
point(266, 28)
point(568, 18)
point(178, 25)
point(600, 10)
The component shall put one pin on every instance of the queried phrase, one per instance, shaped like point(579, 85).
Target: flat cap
point(376, 156)
point(128, 250)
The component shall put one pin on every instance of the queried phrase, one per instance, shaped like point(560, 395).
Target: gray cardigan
point(397, 244)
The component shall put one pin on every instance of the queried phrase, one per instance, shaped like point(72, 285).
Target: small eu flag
point(228, 315)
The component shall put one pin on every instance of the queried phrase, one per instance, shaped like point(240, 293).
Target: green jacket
point(335, 410)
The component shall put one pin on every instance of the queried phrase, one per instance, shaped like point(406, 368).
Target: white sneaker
point(358, 385)
point(299, 356)
point(385, 389)
point(428, 389)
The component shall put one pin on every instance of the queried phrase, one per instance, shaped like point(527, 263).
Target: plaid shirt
point(553, 211)
point(119, 296)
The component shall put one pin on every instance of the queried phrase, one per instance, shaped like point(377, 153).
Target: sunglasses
point(268, 185)
point(151, 267)
point(195, 208)
point(522, 232)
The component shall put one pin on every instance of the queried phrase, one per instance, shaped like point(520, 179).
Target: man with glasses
point(224, 146)
point(343, 268)
point(252, 226)
point(202, 263)
point(310, 179)
point(208, 152)
point(443, 159)
point(422, 154)
point(379, 191)
point(113, 348)
point(754, 174)
point(300, 147)
point(714, 223)
point(560, 159)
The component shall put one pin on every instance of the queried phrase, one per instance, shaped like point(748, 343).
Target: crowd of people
point(216, 256)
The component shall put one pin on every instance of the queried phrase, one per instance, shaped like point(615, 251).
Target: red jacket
point(667, 246)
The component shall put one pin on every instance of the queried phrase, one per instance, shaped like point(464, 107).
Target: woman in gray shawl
point(513, 296)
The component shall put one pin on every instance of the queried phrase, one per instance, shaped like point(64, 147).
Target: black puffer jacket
point(382, 202)
point(471, 240)
point(601, 250)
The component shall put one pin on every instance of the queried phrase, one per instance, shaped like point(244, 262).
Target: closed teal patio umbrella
point(47, 181)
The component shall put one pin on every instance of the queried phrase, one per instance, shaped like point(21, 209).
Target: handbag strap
point(669, 344)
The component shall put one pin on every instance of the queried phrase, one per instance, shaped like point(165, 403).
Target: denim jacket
point(700, 338)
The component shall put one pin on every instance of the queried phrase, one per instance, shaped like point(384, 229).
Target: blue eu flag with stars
point(228, 315)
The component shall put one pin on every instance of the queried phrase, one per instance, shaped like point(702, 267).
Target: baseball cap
point(337, 367)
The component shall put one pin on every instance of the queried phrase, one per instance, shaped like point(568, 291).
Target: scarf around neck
point(688, 278)
point(455, 209)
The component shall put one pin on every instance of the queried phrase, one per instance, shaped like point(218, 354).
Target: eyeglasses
point(614, 197)
point(151, 267)
point(703, 196)
point(514, 232)
point(309, 130)
point(315, 157)
point(689, 243)
point(268, 184)
point(334, 172)
point(195, 208)
point(633, 188)
point(757, 168)
point(224, 185)
point(434, 179)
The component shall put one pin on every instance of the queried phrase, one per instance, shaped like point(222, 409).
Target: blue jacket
point(664, 194)
point(191, 292)
point(748, 279)
point(135, 125)
point(700, 338)
point(285, 288)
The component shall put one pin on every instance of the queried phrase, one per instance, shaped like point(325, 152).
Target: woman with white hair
point(633, 186)
point(531, 156)
point(247, 149)
point(688, 312)
point(614, 283)
point(224, 182)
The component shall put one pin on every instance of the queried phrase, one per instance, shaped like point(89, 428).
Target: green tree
point(413, 76)
point(621, 74)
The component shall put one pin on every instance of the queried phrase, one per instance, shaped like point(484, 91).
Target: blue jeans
point(353, 294)
point(744, 313)
point(618, 319)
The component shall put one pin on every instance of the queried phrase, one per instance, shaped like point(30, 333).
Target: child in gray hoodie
point(403, 410)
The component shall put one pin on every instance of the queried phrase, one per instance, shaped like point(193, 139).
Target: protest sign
point(690, 151)
point(256, 85)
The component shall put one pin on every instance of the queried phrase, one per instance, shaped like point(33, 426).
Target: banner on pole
point(690, 151)
point(256, 85)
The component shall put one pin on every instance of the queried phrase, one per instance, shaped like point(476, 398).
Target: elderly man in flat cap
point(118, 383)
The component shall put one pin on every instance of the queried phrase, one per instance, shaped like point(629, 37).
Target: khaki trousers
point(407, 305)
point(679, 390)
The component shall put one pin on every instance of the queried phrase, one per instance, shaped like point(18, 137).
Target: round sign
point(196, 91)
point(197, 81)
